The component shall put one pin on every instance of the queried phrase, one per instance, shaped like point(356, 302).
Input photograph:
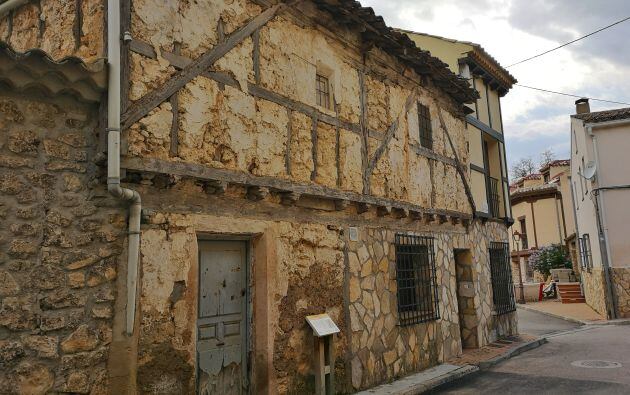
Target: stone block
point(45, 346)
point(82, 339)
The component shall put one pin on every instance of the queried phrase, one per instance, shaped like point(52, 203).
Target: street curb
point(512, 353)
point(415, 388)
point(620, 321)
point(561, 317)
point(439, 381)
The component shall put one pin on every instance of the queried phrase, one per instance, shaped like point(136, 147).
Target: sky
point(512, 30)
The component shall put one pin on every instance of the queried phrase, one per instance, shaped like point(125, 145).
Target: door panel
point(221, 323)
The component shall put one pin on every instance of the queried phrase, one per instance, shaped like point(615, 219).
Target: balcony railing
point(493, 197)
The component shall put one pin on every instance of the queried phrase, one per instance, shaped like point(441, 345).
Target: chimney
point(581, 106)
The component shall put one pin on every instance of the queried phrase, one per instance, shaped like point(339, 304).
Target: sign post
point(324, 329)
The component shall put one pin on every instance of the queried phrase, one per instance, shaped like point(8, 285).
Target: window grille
point(322, 88)
point(584, 244)
point(416, 280)
point(501, 275)
point(424, 123)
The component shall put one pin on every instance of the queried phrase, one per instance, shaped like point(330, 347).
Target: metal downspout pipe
point(113, 159)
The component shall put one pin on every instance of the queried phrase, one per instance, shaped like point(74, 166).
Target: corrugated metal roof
point(603, 116)
point(395, 43)
point(34, 70)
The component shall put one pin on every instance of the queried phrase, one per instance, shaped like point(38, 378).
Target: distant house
point(542, 210)
point(486, 145)
point(600, 178)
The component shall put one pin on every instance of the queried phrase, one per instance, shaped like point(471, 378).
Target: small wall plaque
point(322, 325)
point(353, 233)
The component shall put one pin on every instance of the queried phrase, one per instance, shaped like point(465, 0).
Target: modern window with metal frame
point(424, 125)
point(584, 243)
point(501, 276)
point(322, 89)
point(416, 279)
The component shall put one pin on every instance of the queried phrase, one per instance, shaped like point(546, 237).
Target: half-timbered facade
point(289, 159)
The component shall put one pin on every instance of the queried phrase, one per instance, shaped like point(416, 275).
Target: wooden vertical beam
point(174, 100)
point(363, 122)
point(221, 30)
point(337, 146)
point(287, 156)
point(77, 27)
point(314, 146)
point(41, 21)
point(256, 56)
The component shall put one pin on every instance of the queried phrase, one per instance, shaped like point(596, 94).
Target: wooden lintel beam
point(151, 100)
point(202, 172)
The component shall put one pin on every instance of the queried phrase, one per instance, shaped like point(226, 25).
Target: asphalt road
point(549, 370)
point(537, 324)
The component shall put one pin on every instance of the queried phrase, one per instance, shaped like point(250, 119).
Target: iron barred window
point(424, 123)
point(323, 91)
point(501, 275)
point(415, 277)
point(584, 243)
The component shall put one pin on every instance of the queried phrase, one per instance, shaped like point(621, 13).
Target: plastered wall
point(225, 127)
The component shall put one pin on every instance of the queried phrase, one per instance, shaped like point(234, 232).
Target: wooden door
point(222, 318)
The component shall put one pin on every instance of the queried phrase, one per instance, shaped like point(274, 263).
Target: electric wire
point(570, 42)
point(571, 95)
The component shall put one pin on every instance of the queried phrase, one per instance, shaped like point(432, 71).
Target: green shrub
point(551, 257)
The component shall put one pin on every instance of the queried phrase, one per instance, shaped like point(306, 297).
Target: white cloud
point(511, 30)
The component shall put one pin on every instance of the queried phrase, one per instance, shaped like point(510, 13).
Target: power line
point(570, 42)
point(571, 95)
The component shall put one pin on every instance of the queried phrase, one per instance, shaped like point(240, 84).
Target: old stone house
point(169, 220)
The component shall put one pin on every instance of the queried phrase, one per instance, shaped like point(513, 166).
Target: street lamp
point(517, 238)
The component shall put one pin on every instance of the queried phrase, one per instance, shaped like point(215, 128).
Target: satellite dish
point(589, 170)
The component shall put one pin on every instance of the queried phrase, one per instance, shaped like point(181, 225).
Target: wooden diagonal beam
point(154, 98)
point(389, 134)
point(458, 164)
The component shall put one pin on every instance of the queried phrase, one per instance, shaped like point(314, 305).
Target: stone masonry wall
point(381, 350)
point(59, 241)
point(621, 281)
point(595, 289)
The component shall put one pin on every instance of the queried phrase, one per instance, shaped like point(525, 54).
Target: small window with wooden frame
point(322, 91)
point(424, 126)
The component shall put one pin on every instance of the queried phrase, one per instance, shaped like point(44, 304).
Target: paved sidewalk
point(470, 362)
point(579, 313)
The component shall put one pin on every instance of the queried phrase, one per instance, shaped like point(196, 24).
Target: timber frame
point(188, 69)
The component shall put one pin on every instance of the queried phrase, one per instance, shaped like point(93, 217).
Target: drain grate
point(596, 364)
